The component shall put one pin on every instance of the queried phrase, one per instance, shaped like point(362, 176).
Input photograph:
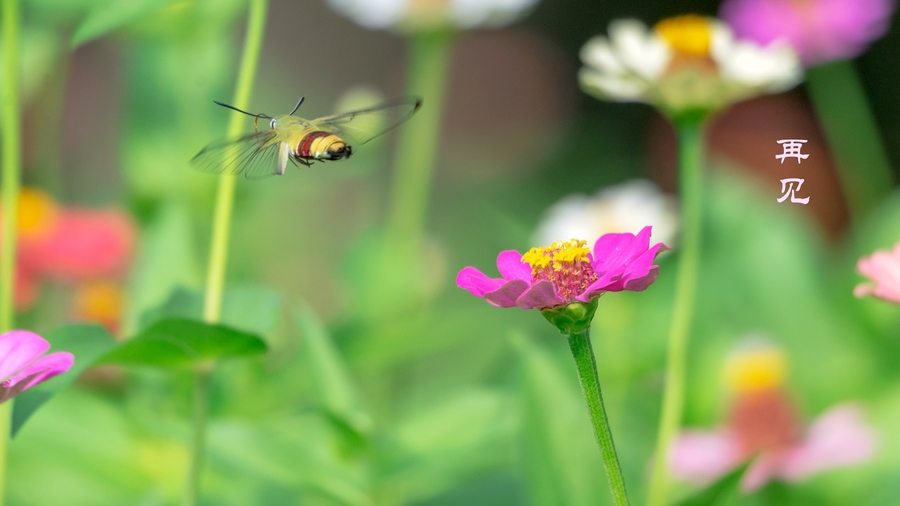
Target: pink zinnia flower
point(567, 272)
point(820, 30)
point(883, 267)
point(21, 363)
point(763, 426)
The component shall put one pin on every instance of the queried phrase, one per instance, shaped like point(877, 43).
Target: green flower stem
point(691, 180)
point(840, 103)
point(218, 254)
point(10, 143)
point(580, 344)
point(429, 66)
point(12, 160)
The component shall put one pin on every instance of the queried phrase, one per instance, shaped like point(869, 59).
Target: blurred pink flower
point(68, 245)
point(820, 30)
point(21, 363)
point(567, 272)
point(763, 426)
point(883, 267)
point(85, 244)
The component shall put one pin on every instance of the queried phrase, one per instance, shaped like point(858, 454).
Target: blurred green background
point(439, 399)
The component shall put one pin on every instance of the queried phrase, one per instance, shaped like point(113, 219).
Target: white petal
point(598, 53)
point(641, 50)
point(472, 13)
point(772, 68)
point(375, 14)
point(620, 88)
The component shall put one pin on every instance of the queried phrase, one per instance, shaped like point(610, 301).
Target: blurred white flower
point(627, 207)
point(684, 64)
point(424, 15)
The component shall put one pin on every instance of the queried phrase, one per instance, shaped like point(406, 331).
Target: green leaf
point(333, 385)
point(719, 493)
point(86, 343)
point(109, 16)
point(179, 342)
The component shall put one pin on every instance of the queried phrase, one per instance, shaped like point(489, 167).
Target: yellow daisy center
point(689, 34)
point(756, 369)
point(566, 264)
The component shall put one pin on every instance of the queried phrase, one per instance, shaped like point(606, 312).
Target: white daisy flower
point(683, 64)
point(424, 15)
point(626, 207)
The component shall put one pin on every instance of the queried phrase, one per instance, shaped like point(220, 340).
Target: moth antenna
point(297, 106)
point(233, 108)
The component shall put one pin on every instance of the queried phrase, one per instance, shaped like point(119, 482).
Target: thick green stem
point(12, 161)
point(10, 143)
point(690, 160)
point(429, 65)
point(586, 365)
point(839, 99)
point(218, 253)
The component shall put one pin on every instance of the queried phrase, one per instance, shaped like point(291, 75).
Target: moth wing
point(256, 155)
point(359, 127)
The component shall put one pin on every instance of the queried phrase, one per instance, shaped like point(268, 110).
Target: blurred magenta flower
point(22, 365)
point(820, 30)
point(763, 426)
point(567, 272)
point(69, 245)
point(684, 64)
point(883, 267)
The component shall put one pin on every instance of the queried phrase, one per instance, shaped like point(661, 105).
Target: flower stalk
point(429, 67)
point(690, 160)
point(586, 365)
point(218, 255)
point(837, 95)
point(10, 143)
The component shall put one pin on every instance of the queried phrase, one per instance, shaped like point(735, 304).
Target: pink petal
point(41, 370)
point(882, 267)
point(836, 439)
point(702, 457)
point(18, 348)
point(511, 266)
point(476, 282)
point(85, 244)
point(764, 469)
point(540, 295)
point(507, 294)
point(613, 252)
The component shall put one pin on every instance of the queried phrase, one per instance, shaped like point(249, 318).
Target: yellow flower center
point(37, 214)
point(689, 34)
point(756, 369)
point(99, 302)
point(566, 264)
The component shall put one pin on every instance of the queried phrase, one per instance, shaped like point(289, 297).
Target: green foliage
point(181, 343)
point(113, 14)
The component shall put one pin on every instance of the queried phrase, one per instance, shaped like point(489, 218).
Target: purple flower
point(21, 363)
point(567, 272)
point(820, 30)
